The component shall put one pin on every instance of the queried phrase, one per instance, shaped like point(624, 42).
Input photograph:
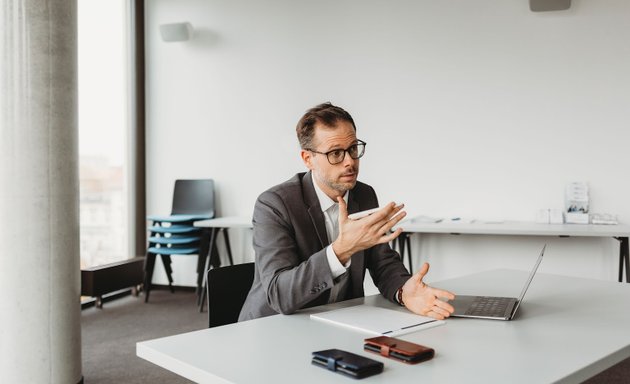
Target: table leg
point(624, 256)
point(401, 246)
point(404, 240)
point(204, 252)
point(202, 290)
point(227, 245)
point(408, 240)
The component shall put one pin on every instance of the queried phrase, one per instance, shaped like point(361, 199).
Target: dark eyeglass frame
point(360, 148)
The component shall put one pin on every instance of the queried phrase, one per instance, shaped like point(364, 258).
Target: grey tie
point(334, 217)
point(338, 290)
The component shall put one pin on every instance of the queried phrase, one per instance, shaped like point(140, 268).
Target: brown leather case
point(397, 349)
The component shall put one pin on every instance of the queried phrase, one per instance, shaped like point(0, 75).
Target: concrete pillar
point(40, 330)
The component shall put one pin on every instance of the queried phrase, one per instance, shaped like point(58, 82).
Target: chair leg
point(166, 260)
point(202, 298)
point(149, 265)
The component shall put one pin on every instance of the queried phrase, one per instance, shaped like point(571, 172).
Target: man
point(308, 252)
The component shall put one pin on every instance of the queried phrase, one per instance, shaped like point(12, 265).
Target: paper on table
point(377, 320)
point(426, 219)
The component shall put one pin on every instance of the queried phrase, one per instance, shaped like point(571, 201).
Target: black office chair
point(175, 234)
point(227, 290)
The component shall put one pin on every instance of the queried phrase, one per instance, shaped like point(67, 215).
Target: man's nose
point(348, 160)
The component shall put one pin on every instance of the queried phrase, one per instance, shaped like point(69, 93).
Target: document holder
point(400, 350)
point(347, 363)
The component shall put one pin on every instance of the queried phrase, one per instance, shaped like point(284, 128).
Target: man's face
point(335, 179)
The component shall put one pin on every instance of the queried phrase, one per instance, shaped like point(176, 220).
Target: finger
point(395, 211)
point(444, 306)
point(387, 238)
point(441, 311)
point(392, 222)
point(399, 208)
point(382, 214)
point(435, 315)
point(398, 212)
point(422, 272)
point(343, 209)
point(417, 277)
point(442, 293)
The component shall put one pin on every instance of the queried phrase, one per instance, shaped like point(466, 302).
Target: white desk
point(226, 222)
point(619, 232)
point(568, 329)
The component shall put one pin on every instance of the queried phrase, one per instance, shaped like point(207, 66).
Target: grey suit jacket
point(290, 241)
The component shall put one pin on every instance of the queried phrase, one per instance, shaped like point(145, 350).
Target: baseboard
point(89, 303)
point(106, 298)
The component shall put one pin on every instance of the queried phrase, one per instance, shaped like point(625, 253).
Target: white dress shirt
point(330, 209)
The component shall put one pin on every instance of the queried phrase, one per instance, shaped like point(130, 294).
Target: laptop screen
point(530, 278)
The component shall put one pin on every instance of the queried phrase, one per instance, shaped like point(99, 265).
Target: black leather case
point(347, 363)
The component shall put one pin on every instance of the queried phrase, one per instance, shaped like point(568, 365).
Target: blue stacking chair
point(175, 234)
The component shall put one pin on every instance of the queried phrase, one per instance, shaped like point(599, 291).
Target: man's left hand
point(424, 300)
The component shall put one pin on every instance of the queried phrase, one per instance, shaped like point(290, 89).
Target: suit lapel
point(314, 209)
point(317, 218)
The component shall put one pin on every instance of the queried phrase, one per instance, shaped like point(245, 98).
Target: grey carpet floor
point(109, 337)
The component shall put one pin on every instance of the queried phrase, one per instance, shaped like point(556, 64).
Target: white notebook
point(377, 320)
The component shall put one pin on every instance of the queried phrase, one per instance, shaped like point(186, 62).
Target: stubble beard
point(341, 187)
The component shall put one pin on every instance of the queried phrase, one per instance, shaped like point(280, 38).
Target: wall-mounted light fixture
point(549, 5)
point(176, 32)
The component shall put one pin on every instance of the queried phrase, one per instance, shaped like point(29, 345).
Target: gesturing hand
point(357, 235)
point(425, 300)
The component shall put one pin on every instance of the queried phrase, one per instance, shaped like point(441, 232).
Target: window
point(104, 132)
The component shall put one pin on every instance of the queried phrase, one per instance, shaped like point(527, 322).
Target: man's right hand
point(357, 235)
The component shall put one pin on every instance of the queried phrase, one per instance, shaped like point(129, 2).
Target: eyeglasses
point(336, 156)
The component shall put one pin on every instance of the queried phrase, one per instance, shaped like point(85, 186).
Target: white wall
point(479, 109)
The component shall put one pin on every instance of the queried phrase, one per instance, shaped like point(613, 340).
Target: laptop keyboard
point(489, 306)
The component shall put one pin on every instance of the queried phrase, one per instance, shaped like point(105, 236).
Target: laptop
point(491, 307)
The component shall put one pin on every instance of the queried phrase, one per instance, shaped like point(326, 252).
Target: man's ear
point(307, 158)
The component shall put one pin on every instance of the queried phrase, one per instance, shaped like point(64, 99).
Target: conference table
point(222, 224)
point(567, 330)
point(515, 228)
point(216, 226)
point(410, 227)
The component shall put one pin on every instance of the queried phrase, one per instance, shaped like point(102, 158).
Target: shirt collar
point(325, 202)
